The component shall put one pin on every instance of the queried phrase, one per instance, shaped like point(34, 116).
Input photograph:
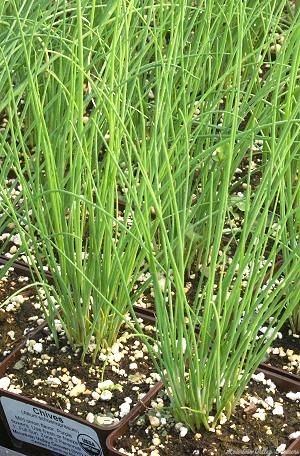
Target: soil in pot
point(285, 351)
point(107, 388)
point(20, 315)
point(265, 422)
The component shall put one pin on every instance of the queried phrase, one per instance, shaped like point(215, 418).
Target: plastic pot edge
point(270, 372)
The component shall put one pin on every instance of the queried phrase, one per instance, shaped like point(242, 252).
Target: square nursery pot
point(287, 382)
point(30, 428)
point(35, 429)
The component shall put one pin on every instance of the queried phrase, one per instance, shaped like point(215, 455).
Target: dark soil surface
point(131, 375)
point(229, 438)
point(288, 357)
point(20, 315)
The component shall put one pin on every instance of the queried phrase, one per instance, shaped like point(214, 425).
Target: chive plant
point(191, 97)
point(76, 87)
point(7, 228)
point(286, 110)
point(159, 106)
point(210, 341)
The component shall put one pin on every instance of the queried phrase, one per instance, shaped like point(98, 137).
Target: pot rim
point(286, 383)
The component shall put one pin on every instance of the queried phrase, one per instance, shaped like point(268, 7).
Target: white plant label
point(38, 426)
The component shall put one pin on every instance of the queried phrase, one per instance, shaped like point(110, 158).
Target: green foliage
point(209, 345)
point(67, 160)
point(156, 106)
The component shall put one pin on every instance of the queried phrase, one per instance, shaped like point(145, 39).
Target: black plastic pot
point(5, 438)
point(36, 429)
point(106, 435)
point(285, 384)
point(23, 436)
point(22, 420)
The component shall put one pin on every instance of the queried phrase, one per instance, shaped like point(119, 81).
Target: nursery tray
point(277, 378)
point(286, 381)
point(147, 315)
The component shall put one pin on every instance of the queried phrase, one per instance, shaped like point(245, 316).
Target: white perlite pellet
point(106, 395)
point(154, 421)
point(278, 410)
point(77, 390)
point(155, 453)
point(293, 396)
point(4, 383)
point(281, 448)
point(90, 417)
point(294, 435)
point(38, 347)
point(183, 431)
point(19, 299)
point(124, 409)
point(260, 377)
point(156, 441)
point(269, 401)
point(11, 334)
